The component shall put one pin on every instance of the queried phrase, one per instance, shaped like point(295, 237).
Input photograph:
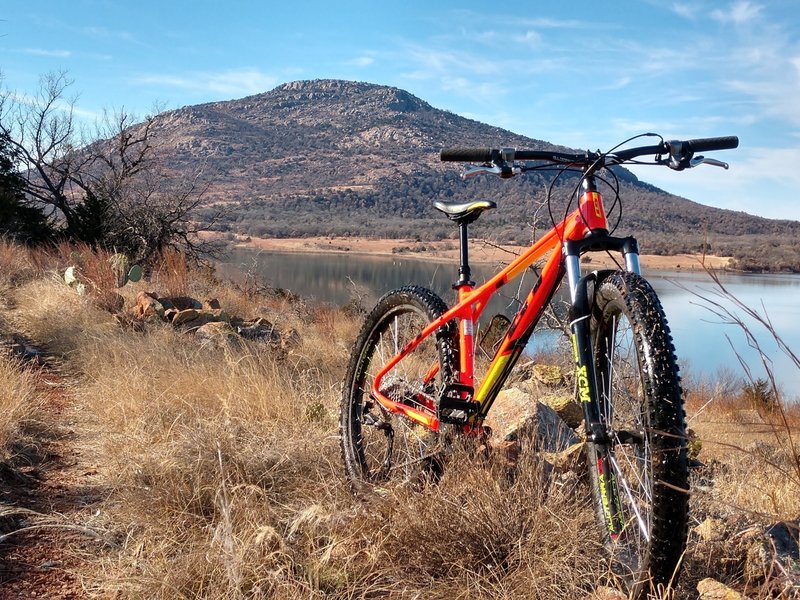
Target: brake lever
point(702, 160)
point(504, 172)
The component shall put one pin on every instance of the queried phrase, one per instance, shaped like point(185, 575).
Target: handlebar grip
point(466, 155)
point(717, 143)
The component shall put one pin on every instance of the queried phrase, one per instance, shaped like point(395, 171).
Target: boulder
point(147, 307)
point(184, 316)
point(566, 407)
point(217, 334)
point(518, 417)
point(773, 555)
point(193, 318)
point(181, 303)
point(548, 374)
point(710, 589)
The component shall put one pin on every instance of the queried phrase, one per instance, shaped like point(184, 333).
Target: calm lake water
point(703, 342)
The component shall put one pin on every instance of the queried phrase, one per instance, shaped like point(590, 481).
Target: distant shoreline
point(481, 251)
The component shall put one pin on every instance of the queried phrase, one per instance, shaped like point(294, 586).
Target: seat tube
point(466, 328)
point(466, 341)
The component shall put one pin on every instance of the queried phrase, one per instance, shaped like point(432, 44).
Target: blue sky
point(583, 74)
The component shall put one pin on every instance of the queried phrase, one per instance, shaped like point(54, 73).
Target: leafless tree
point(107, 184)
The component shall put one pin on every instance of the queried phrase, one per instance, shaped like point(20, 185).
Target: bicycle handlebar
point(680, 151)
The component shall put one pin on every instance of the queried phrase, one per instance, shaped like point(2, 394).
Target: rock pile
point(210, 324)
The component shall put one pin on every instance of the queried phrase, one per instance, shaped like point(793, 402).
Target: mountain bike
point(411, 384)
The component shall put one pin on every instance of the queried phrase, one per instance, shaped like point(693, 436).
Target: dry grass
point(18, 402)
point(225, 478)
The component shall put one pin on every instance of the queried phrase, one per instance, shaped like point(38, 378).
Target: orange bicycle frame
point(587, 219)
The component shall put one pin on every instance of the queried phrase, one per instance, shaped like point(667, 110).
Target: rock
point(147, 307)
point(774, 554)
point(194, 318)
point(567, 460)
point(518, 417)
point(218, 334)
point(184, 316)
point(182, 303)
point(548, 374)
point(711, 530)
point(710, 589)
point(566, 407)
point(607, 593)
point(212, 304)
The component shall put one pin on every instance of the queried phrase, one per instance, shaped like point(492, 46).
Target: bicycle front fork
point(590, 395)
point(593, 399)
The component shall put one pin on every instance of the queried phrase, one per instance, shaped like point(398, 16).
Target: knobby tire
point(640, 394)
point(378, 446)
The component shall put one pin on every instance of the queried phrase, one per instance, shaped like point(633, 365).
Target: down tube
point(519, 333)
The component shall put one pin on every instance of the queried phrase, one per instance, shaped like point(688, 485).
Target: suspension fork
point(592, 398)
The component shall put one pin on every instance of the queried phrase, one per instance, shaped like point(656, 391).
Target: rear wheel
point(639, 479)
point(376, 444)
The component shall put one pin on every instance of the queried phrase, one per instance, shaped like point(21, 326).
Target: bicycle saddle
point(464, 212)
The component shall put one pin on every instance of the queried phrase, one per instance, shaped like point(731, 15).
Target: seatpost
point(464, 273)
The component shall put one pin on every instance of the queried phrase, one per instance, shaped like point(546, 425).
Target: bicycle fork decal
point(609, 497)
point(581, 374)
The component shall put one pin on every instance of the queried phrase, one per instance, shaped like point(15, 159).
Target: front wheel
point(376, 444)
point(639, 479)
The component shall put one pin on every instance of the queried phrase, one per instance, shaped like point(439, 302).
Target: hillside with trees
point(330, 157)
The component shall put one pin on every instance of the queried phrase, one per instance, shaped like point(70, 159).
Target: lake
point(703, 343)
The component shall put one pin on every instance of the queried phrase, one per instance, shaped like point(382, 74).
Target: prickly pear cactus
point(123, 271)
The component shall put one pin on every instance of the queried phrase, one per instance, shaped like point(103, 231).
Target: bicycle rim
point(379, 444)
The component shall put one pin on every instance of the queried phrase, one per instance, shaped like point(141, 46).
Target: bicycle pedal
point(456, 405)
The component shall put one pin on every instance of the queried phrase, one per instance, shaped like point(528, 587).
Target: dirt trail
point(50, 496)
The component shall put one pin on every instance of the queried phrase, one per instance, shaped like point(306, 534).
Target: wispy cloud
point(104, 33)
point(64, 106)
point(547, 23)
point(687, 11)
point(47, 53)
point(529, 38)
point(361, 61)
point(739, 13)
point(226, 83)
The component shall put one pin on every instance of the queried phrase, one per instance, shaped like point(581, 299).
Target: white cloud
point(760, 181)
point(740, 12)
point(529, 38)
point(361, 61)
point(48, 53)
point(104, 33)
point(687, 11)
point(234, 82)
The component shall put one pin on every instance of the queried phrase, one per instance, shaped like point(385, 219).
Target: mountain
point(342, 157)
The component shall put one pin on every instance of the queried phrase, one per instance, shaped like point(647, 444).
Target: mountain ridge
point(342, 157)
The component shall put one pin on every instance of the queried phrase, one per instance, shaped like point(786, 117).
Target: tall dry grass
point(225, 480)
point(18, 403)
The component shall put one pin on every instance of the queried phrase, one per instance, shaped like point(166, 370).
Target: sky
point(584, 74)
